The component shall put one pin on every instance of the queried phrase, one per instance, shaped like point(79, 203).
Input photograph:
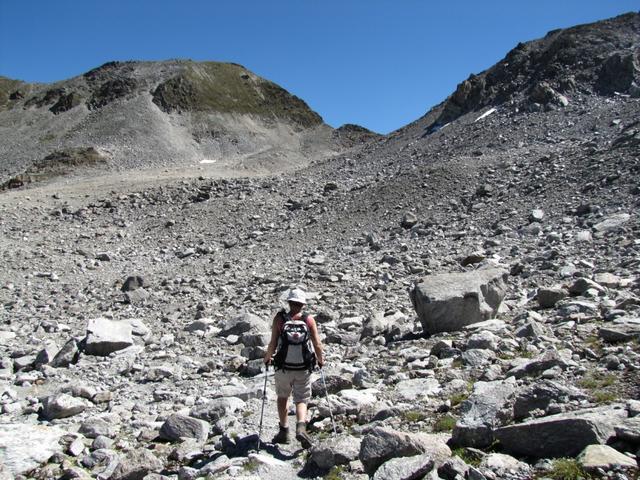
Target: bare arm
point(273, 343)
point(315, 339)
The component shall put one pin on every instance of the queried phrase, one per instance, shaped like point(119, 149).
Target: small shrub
point(468, 457)
point(413, 416)
point(567, 469)
point(335, 473)
point(601, 396)
point(444, 424)
point(597, 380)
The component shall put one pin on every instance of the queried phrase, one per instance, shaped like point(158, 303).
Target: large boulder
point(448, 302)
point(336, 451)
point(23, 447)
point(106, 336)
point(604, 457)
point(243, 323)
point(487, 408)
point(178, 427)
point(405, 468)
point(545, 396)
point(561, 435)
point(62, 406)
point(383, 444)
point(136, 465)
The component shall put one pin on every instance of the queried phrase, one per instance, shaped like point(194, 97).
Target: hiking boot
point(282, 436)
point(302, 436)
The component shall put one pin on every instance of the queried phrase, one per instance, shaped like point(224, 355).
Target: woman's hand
point(267, 359)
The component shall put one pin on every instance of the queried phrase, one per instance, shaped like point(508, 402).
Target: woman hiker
point(297, 347)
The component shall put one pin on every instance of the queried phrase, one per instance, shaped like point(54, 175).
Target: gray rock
point(505, 466)
point(535, 366)
point(337, 451)
point(62, 406)
point(453, 468)
point(382, 444)
point(623, 329)
point(132, 283)
point(409, 219)
point(561, 435)
point(217, 408)
point(95, 427)
point(177, 427)
point(544, 396)
point(106, 336)
point(612, 223)
point(629, 430)
point(334, 384)
point(245, 322)
point(483, 340)
point(548, 297)
point(604, 457)
point(137, 296)
point(46, 355)
point(406, 468)
point(24, 447)
point(477, 358)
point(67, 355)
point(582, 285)
point(417, 388)
point(136, 464)
point(448, 302)
point(102, 462)
point(486, 409)
point(201, 325)
point(533, 330)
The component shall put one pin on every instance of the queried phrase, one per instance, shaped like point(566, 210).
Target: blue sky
point(377, 63)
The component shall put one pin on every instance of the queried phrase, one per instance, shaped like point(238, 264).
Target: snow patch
point(485, 114)
point(206, 161)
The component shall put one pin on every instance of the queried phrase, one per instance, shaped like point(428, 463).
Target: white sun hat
point(297, 295)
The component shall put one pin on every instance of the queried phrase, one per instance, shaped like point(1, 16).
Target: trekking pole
point(264, 398)
point(326, 393)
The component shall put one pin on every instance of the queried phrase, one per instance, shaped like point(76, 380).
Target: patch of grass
point(457, 363)
point(468, 457)
point(48, 137)
point(413, 416)
point(246, 414)
point(567, 469)
point(597, 380)
point(602, 396)
point(335, 473)
point(444, 424)
point(227, 87)
point(457, 398)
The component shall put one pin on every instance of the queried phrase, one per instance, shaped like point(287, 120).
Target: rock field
point(476, 284)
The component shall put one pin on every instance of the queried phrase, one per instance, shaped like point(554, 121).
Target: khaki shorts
point(298, 381)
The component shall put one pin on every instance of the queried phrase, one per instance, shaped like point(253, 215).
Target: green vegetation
point(601, 385)
point(604, 396)
point(230, 88)
point(444, 424)
point(567, 469)
point(335, 473)
point(413, 416)
point(457, 398)
point(468, 457)
point(7, 87)
point(596, 380)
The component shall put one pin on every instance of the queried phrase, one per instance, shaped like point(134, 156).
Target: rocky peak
point(598, 58)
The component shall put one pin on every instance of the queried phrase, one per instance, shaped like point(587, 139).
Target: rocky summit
point(475, 275)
